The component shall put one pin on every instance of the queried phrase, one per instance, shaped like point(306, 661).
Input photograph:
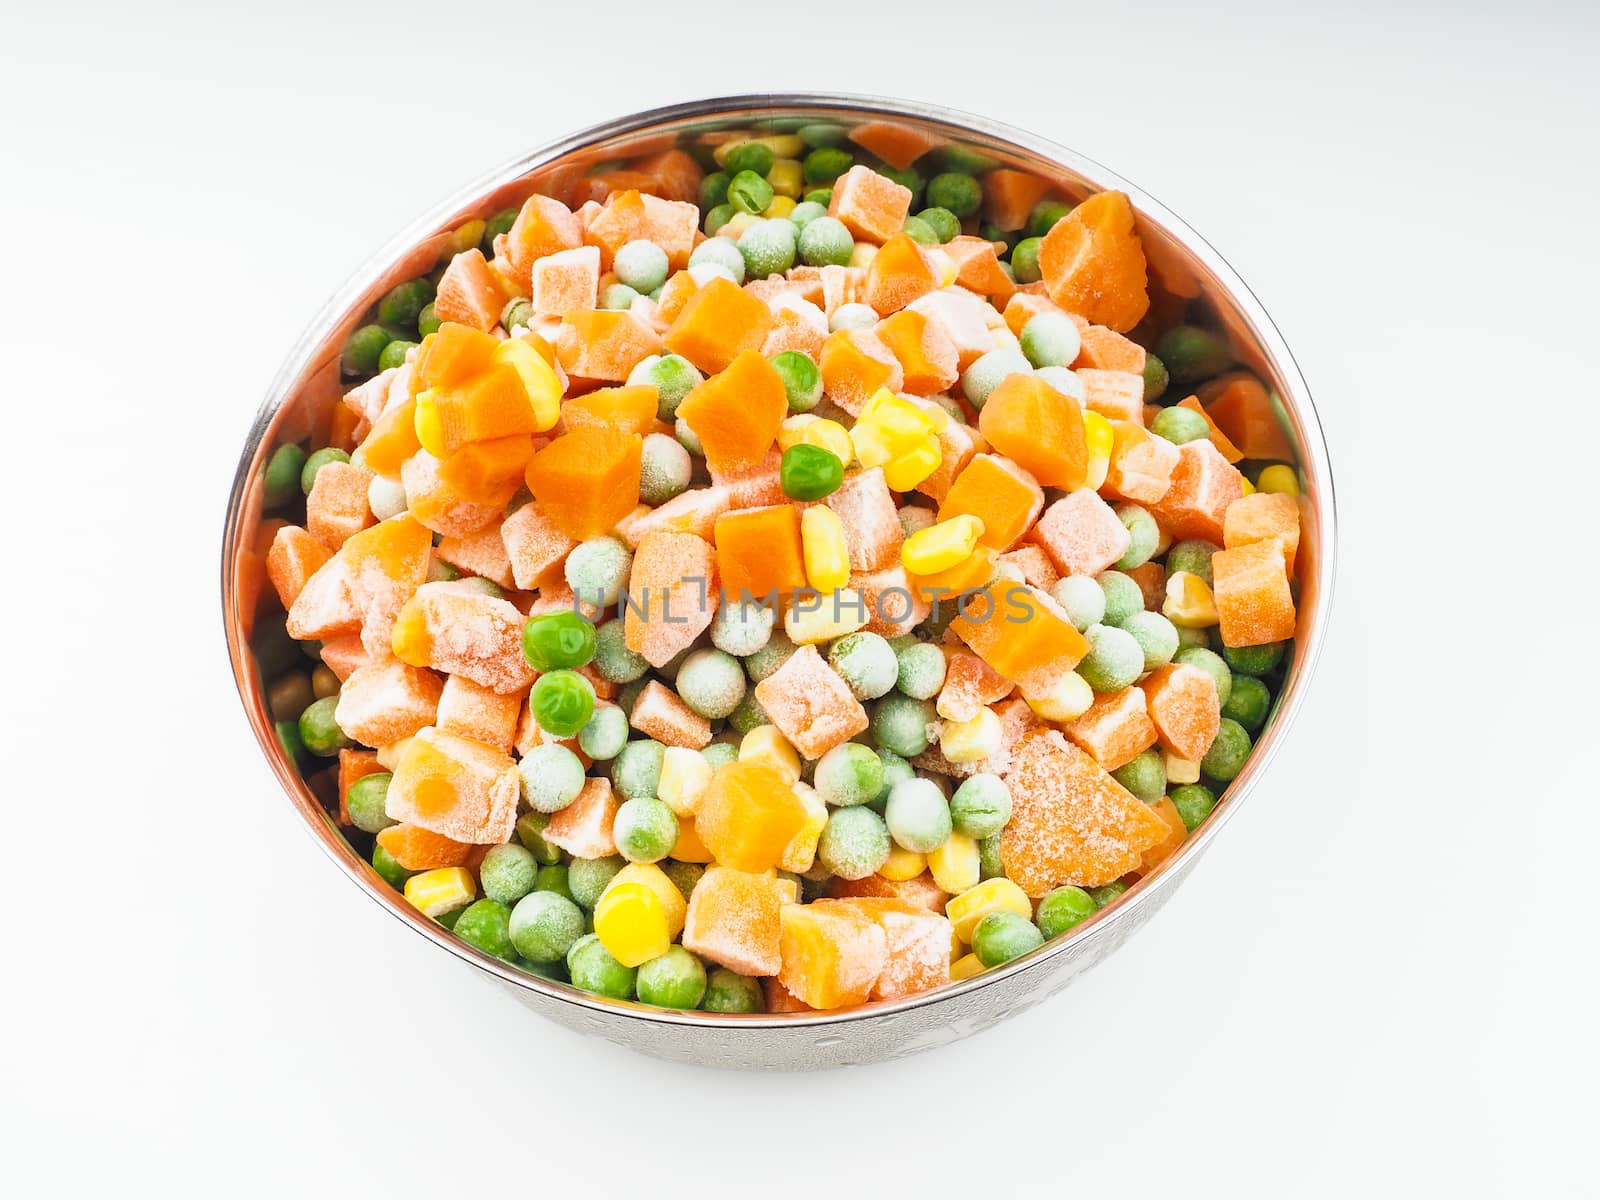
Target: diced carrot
point(1107, 350)
point(492, 404)
point(1115, 395)
point(343, 427)
point(443, 507)
point(1093, 263)
point(566, 282)
point(898, 144)
point(1255, 518)
point(855, 364)
point(354, 765)
point(337, 507)
point(672, 593)
point(873, 207)
point(674, 173)
point(1021, 633)
point(294, 557)
point(1141, 464)
point(453, 354)
point(1115, 729)
point(927, 355)
point(1243, 411)
point(1009, 196)
point(480, 471)
point(1218, 439)
point(978, 268)
point(418, 849)
point(1000, 493)
point(748, 816)
point(621, 220)
point(392, 440)
point(587, 480)
point(629, 409)
point(1040, 428)
point(604, 344)
point(1182, 703)
point(1252, 592)
point(543, 226)
point(1203, 485)
point(1177, 832)
point(759, 551)
point(736, 413)
point(719, 322)
point(898, 274)
point(469, 293)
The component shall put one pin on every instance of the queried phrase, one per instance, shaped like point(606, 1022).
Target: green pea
point(677, 979)
point(388, 869)
point(554, 878)
point(1143, 536)
point(981, 806)
point(1105, 894)
point(530, 832)
point(717, 217)
point(486, 924)
point(289, 738)
point(403, 304)
point(823, 133)
point(748, 192)
point(315, 463)
point(826, 241)
point(1044, 216)
point(1180, 425)
point(361, 352)
point(645, 830)
point(729, 992)
point(587, 877)
point(805, 212)
point(508, 873)
point(1253, 660)
point(990, 232)
point(1062, 908)
point(900, 723)
point(1248, 702)
point(714, 190)
point(618, 297)
point(1025, 260)
point(822, 196)
point(319, 731)
point(989, 864)
point(501, 222)
point(394, 354)
point(767, 248)
point(1228, 752)
point(591, 967)
point(545, 926)
point(562, 702)
point(683, 875)
point(809, 472)
point(365, 802)
point(605, 735)
point(961, 194)
point(826, 163)
point(556, 640)
point(802, 379)
point(944, 223)
point(1191, 555)
point(1155, 378)
point(1194, 804)
point(919, 231)
point(280, 482)
point(1145, 775)
point(1191, 354)
point(756, 157)
point(1002, 936)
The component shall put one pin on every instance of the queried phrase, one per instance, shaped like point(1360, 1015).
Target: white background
point(1380, 980)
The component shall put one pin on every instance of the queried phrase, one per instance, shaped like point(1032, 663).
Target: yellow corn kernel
point(1180, 770)
point(1100, 437)
point(941, 545)
point(955, 865)
point(538, 379)
point(1278, 478)
point(1245, 488)
point(782, 145)
point(975, 903)
point(801, 852)
point(899, 421)
point(673, 906)
point(863, 254)
point(630, 923)
point(903, 864)
point(466, 236)
point(944, 267)
point(788, 179)
point(441, 890)
point(1189, 601)
point(1067, 701)
point(781, 206)
point(737, 224)
point(823, 618)
point(810, 430)
point(904, 473)
point(971, 741)
point(965, 967)
point(389, 756)
point(826, 552)
point(685, 775)
point(425, 420)
point(957, 946)
point(765, 745)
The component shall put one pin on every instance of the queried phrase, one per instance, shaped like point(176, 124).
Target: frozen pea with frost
point(918, 815)
point(645, 830)
point(637, 770)
point(987, 370)
point(552, 776)
point(597, 570)
point(981, 805)
point(854, 842)
point(1050, 339)
point(1082, 599)
point(920, 670)
point(1114, 660)
point(740, 629)
point(866, 663)
point(612, 658)
point(1145, 775)
point(849, 774)
point(1123, 597)
point(711, 682)
point(1157, 637)
point(508, 873)
point(900, 723)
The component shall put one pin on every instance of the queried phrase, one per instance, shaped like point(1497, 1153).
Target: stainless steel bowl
point(1186, 273)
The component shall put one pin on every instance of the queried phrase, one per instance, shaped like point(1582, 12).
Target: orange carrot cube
point(1071, 822)
point(1115, 730)
point(916, 944)
point(855, 364)
point(1009, 196)
point(1218, 439)
point(780, 999)
point(832, 954)
point(1023, 634)
point(893, 607)
point(1203, 485)
point(962, 317)
point(752, 485)
point(457, 629)
point(898, 274)
point(658, 713)
point(543, 227)
point(873, 207)
point(1141, 464)
point(482, 554)
point(292, 559)
point(419, 849)
point(1244, 411)
point(1040, 428)
point(621, 220)
point(811, 706)
point(587, 480)
point(1183, 705)
point(1082, 533)
point(978, 268)
point(926, 353)
point(1177, 833)
point(566, 282)
point(1093, 263)
point(604, 344)
point(970, 685)
point(748, 815)
point(584, 828)
point(534, 544)
point(456, 787)
point(470, 710)
point(733, 919)
point(1115, 395)
point(719, 322)
point(391, 440)
point(442, 507)
point(671, 594)
point(1003, 495)
point(453, 354)
point(971, 574)
point(796, 325)
point(337, 506)
point(1152, 580)
point(632, 409)
point(1254, 603)
point(468, 292)
point(896, 143)
point(1103, 349)
point(695, 511)
point(866, 508)
point(363, 586)
point(1251, 518)
point(736, 413)
point(387, 701)
point(958, 442)
point(1033, 564)
point(759, 551)
point(487, 472)
point(921, 892)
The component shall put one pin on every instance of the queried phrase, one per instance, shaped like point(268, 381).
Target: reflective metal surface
point(1188, 278)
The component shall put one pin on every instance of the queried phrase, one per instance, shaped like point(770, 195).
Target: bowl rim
point(1314, 467)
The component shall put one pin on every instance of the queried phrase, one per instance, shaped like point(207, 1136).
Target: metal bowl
point(1188, 276)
